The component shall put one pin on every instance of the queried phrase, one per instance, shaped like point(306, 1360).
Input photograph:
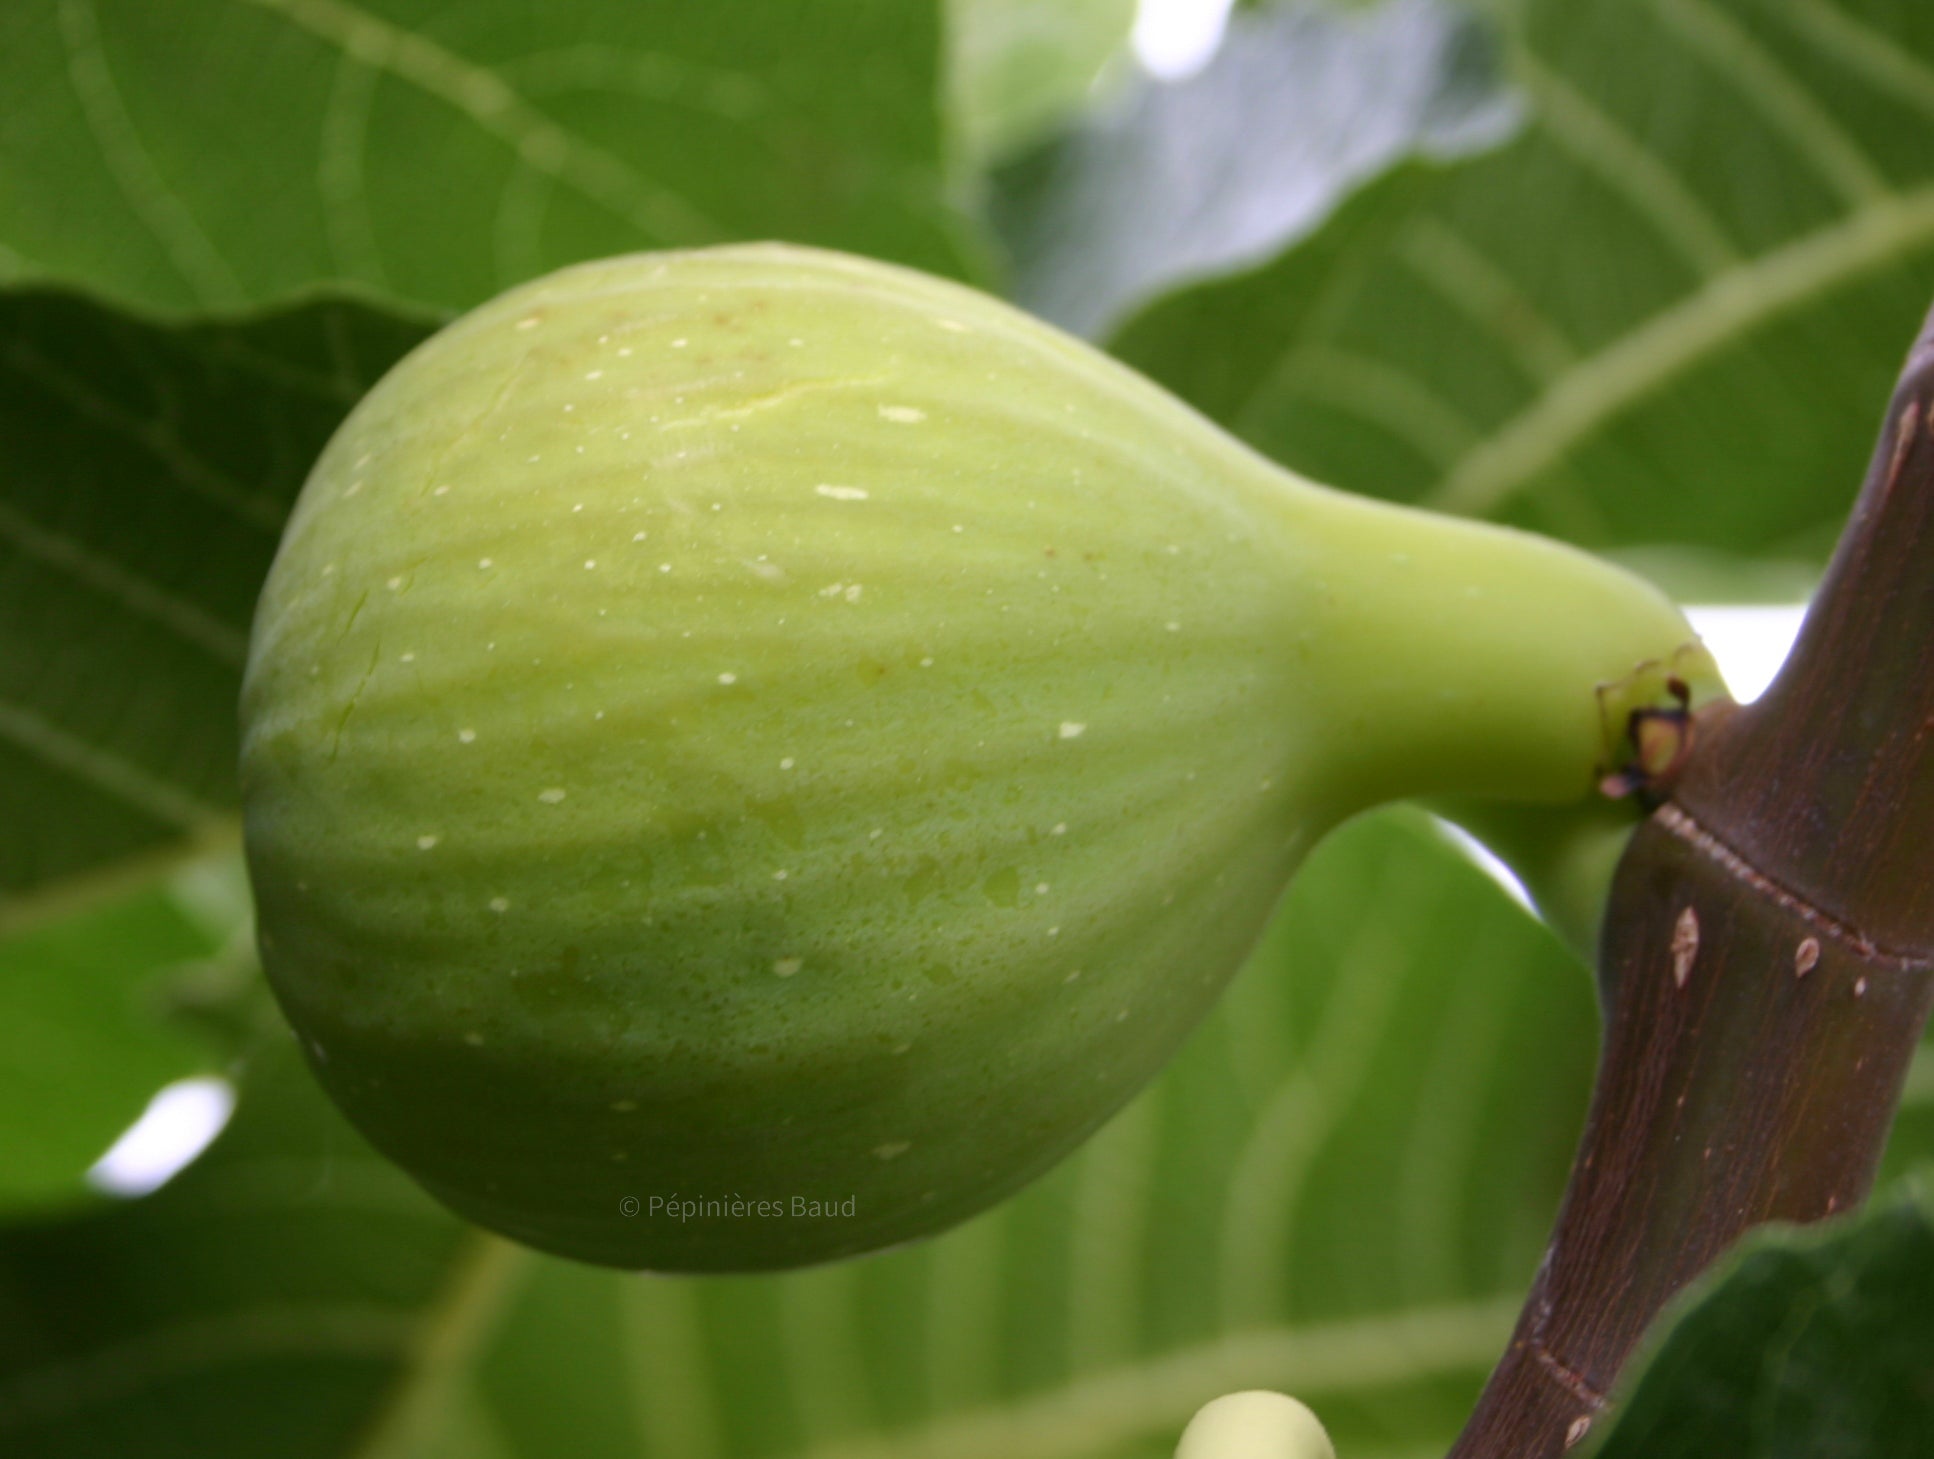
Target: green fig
point(749, 755)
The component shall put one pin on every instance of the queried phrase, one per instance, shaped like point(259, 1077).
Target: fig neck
point(1460, 659)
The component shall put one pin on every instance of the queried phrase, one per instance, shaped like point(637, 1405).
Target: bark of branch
point(1766, 969)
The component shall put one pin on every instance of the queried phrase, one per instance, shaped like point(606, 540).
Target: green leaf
point(213, 154)
point(1340, 1188)
point(1669, 311)
point(1018, 69)
point(260, 1303)
point(91, 1024)
point(146, 475)
point(1177, 182)
point(1911, 1143)
point(1806, 1344)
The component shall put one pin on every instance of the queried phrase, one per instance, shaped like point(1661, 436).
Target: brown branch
point(1766, 969)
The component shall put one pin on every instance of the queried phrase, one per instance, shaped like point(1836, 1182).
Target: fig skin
point(771, 730)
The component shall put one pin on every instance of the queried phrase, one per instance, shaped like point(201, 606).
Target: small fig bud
point(1255, 1424)
point(750, 755)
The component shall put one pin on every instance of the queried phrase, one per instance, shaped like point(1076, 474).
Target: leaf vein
point(164, 213)
point(824, 1368)
point(341, 153)
point(1735, 52)
point(1878, 59)
point(1390, 397)
point(136, 594)
point(1266, 1181)
point(1106, 1411)
point(1487, 296)
point(154, 436)
point(107, 772)
point(1635, 171)
point(663, 1351)
point(1676, 338)
point(443, 1341)
point(489, 102)
point(962, 1316)
point(196, 1345)
point(1107, 1235)
point(733, 96)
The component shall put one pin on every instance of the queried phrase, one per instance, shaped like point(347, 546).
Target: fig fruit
point(749, 755)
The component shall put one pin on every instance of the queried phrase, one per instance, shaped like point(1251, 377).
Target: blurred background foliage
point(1636, 273)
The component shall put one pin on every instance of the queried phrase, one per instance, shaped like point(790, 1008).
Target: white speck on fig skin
point(551, 796)
point(500, 904)
point(426, 843)
point(787, 966)
point(1071, 730)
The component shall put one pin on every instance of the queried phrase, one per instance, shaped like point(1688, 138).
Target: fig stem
point(1766, 968)
point(1465, 660)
